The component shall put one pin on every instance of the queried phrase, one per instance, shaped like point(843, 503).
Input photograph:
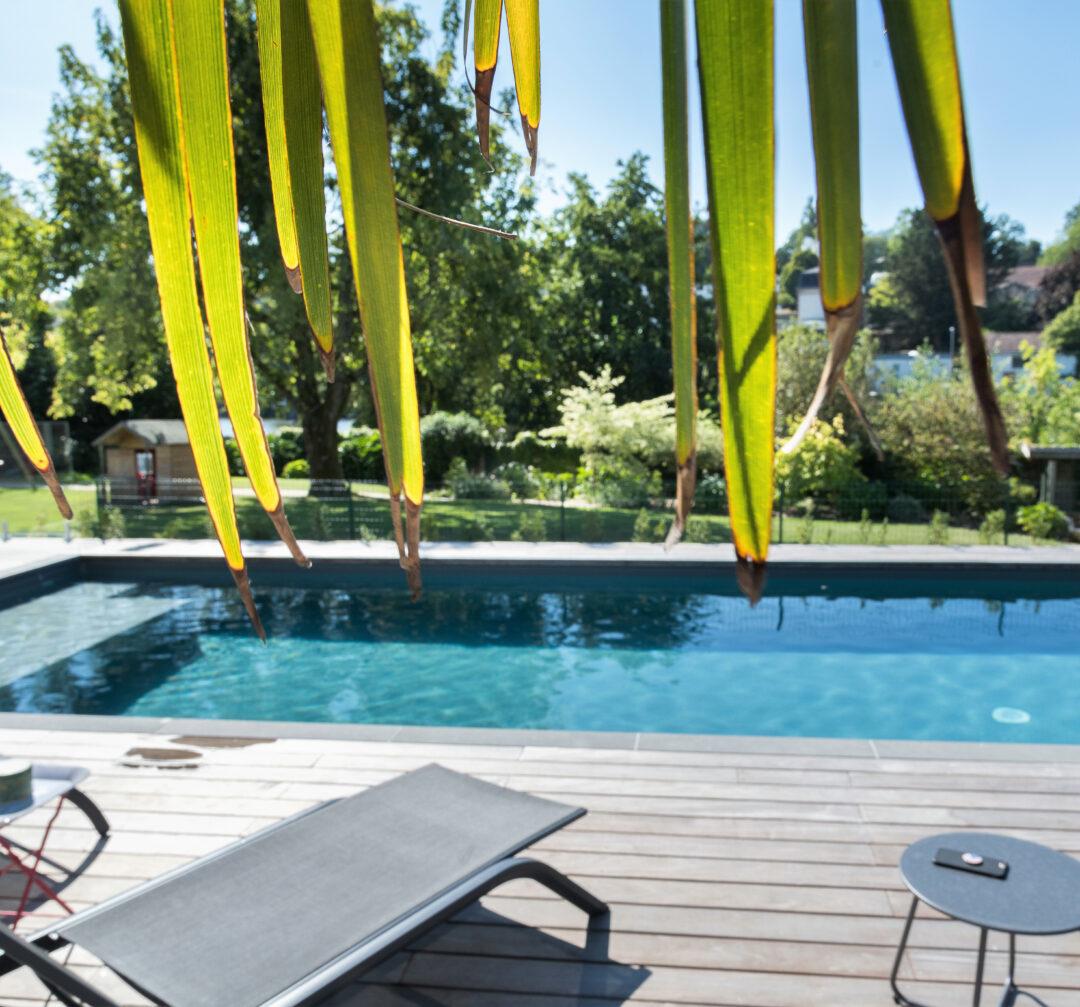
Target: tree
point(1043, 407)
point(1058, 287)
point(1067, 244)
point(24, 317)
point(1063, 333)
point(916, 303)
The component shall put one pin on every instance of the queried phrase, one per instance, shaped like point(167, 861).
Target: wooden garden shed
point(148, 460)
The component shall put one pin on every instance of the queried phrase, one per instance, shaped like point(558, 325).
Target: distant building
point(149, 460)
point(809, 305)
point(1022, 284)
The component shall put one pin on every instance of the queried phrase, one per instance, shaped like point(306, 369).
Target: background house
point(148, 460)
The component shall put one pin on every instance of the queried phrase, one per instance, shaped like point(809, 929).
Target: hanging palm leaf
point(15, 410)
point(680, 243)
point(735, 66)
point(928, 77)
point(348, 54)
point(523, 27)
point(292, 107)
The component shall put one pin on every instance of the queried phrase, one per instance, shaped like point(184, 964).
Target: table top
point(1039, 895)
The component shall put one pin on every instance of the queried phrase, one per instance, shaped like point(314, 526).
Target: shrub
point(531, 528)
point(86, 523)
point(643, 527)
point(287, 445)
point(236, 462)
point(697, 531)
point(522, 480)
point(296, 469)
point(620, 484)
point(804, 534)
point(546, 454)
point(361, 455)
point(823, 466)
point(904, 509)
point(446, 436)
point(110, 523)
point(1043, 520)
point(477, 530)
point(871, 498)
point(710, 494)
point(865, 527)
point(465, 485)
point(937, 531)
point(993, 526)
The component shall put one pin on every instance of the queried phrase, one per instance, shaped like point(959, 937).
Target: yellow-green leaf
point(735, 67)
point(149, 50)
point(486, 27)
point(292, 106)
point(523, 28)
point(833, 75)
point(15, 410)
point(680, 244)
point(348, 53)
point(928, 77)
point(206, 124)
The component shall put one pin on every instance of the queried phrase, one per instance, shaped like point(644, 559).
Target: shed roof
point(151, 432)
point(1041, 452)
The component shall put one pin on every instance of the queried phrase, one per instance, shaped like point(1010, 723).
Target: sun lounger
point(285, 916)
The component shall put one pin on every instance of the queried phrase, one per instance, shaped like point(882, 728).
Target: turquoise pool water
point(624, 658)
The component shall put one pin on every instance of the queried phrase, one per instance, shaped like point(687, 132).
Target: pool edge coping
point(873, 749)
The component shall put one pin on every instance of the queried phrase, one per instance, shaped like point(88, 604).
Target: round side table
point(1039, 895)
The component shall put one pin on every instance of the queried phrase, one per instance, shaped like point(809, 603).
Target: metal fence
point(875, 514)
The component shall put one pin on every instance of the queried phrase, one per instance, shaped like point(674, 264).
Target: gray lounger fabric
point(239, 927)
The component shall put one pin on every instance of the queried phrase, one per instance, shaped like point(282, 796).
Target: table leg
point(979, 967)
point(899, 997)
point(1008, 994)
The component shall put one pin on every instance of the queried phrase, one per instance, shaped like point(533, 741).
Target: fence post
point(3, 531)
point(352, 512)
point(562, 511)
point(781, 535)
point(67, 531)
point(1005, 530)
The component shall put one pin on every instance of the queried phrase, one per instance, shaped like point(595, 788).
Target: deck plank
point(735, 877)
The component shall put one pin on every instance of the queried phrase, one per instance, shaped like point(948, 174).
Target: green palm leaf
point(735, 66)
point(348, 53)
point(680, 242)
point(292, 106)
point(206, 124)
point(15, 410)
point(832, 71)
point(523, 28)
point(150, 53)
point(928, 77)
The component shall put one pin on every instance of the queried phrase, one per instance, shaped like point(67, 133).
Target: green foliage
point(905, 509)
point(629, 439)
point(710, 495)
point(547, 455)
point(937, 531)
point(617, 483)
point(465, 485)
point(1040, 406)
point(643, 527)
point(1043, 520)
point(1063, 333)
point(865, 527)
point(992, 527)
point(298, 468)
point(1068, 243)
point(801, 353)
point(531, 528)
point(915, 301)
point(446, 436)
point(287, 445)
point(523, 481)
point(823, 467)
point(361, 455)
point(793, 269)
point(236, 462)
point(804, 531)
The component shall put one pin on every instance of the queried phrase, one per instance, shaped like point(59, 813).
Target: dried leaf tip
point(243, 585)
point(750, 576)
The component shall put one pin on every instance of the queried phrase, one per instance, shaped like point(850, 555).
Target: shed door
point(144, 474)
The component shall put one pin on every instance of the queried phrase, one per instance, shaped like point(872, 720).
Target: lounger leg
point(67, 986)
point(90, 809)
point(560, 884)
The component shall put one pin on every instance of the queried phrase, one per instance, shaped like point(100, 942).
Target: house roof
point(1009, 342)
point(1026, 276)
point(1046, 453)
point(151, 432)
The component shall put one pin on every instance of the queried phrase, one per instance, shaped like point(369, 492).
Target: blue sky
point(601, 100)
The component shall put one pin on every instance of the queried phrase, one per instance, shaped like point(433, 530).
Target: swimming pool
point(624, 655)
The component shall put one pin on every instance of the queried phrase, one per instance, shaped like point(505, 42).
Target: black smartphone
point(990, 867)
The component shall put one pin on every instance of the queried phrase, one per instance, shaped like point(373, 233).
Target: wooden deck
point(734, 878)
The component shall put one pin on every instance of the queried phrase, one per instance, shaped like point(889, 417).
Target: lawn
point(33, 512)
